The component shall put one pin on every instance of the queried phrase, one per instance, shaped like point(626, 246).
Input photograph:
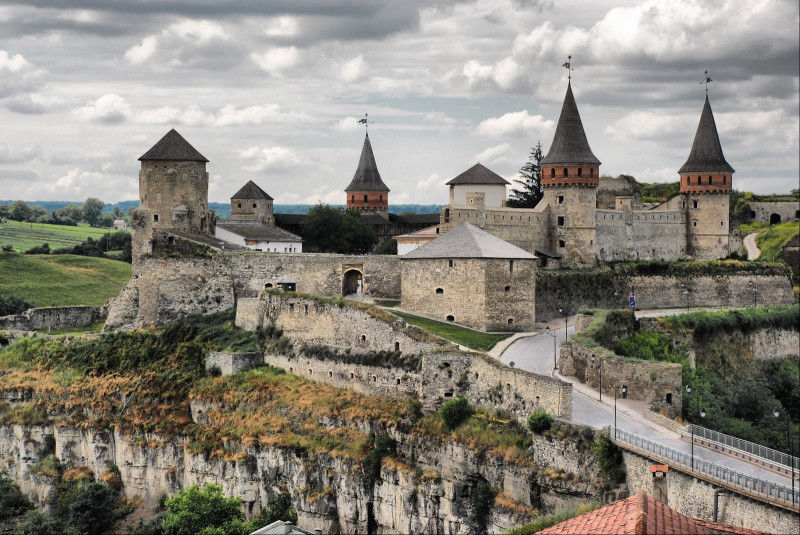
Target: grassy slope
point(772, 240)
point(23, 236)
point(61, 280)
point(459, 335)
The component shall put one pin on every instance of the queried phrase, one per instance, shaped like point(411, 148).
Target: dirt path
point(753, 251)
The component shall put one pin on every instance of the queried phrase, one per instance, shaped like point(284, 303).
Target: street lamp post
point(686, 294)
point(701, 413)
point(553, 334)
point(616, 395)
point(594, 357)
point(754, 289)
point(777, 413)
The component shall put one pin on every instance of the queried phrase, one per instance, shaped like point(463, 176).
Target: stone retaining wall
point(230, 363)
point(37, 319)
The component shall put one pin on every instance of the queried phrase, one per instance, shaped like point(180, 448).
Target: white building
point(478, 186)
point(259, 237)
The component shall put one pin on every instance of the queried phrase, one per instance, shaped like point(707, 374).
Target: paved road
point(535, 354)
point(753, 251)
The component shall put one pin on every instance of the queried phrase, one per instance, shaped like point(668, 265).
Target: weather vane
point(707, 81)
point(364, 121)
point(568, 65)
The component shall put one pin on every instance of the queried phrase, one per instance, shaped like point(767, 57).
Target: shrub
point(206, 511)
point(41, 249)
point(7, 248)
point(13, 305)
point(214, 371)
point(539, 421)
point(609, 458)
point(3, 339)
point(12, 501)
point(481, 502)
point(278, 508)
point(383, 445)
point(455, 412)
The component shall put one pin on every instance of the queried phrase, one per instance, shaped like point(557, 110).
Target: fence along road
point(758, 489)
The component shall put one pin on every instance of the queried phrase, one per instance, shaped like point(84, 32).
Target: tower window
point(561, 221)
point(451, 318)
point(254, 205)
point(447, 215)
point(591, 172)
point(155, 218)
point(560, 199)
point(507, 289)
point(239, 205)
point(694, 203)
point(724, 180)
point(380, 198)
point(439, 291)
point(365, 199)
point(566, 173)
point(449, 263)
point(511, 266)
point(709, 180)
point(699, 181)
point(552, 172)
point(561, 243)
point(352, 198)
point(580, 172)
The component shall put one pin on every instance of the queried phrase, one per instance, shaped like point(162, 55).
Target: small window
point(476, 376)
point(591, 172)
point(694, 204)
point(511, 266)
point(580, 172)
point(560, 199)
point(352, 376)
point(397, 346)
point(352, 198)
point(255, 205)
point(155, 218)
point(291, 307)
point(709, 180)
point(363, 337)
point(448, 394)
point(380, 198)
point(450, 263)
point(447, 215)
point(537, 400)
point(669, 398)
point(171, 240)
point(699, 181)
point(239, 205)
point(507, 289)
point(724, 180)
point(310, 371)
point(508, 386)
point(398, 381)
point(552, 173)
point(374, 378)
point(566, 173)
point(306, 309)
point(439, 291)
point(694, 223)
point(561, 243)
point(268, 285)
point(365, 199)
point(330, 373)
point(561, 221)
point(451, 318)
point(510, 322)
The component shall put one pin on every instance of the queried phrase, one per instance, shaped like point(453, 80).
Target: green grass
point(61, 280)
point(459, 335)
point(388, 303)
point(23, 236)
point(749, 228)
point(95, 327)
point(772, 240)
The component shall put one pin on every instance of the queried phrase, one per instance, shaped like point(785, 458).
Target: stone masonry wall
point(230, 363)
point(528, 229)
point(37, 319)
point(652, 382)
point(788, 211)
point(640, 235)
point(695, 498)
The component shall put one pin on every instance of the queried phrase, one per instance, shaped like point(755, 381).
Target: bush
point(609, 458)
point(3, 339)
point(383, 445)
point(455, 412)
point(12, 501)
point(207, 512)
point(539, 422)
point(41, 249)
point(13, 305)
point(278, 508)
point(7, 248)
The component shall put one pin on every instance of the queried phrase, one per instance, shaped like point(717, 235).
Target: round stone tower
point(366, 191)
point(706, 180)
point(570, 176)
point(173, 192)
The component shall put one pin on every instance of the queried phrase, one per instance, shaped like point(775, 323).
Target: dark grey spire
point(706, 155)
point(251, 191)
point(367, 177)
point(173, 147)
point(569, 144)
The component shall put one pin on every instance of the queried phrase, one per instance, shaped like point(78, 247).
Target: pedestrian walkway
point(753, 251)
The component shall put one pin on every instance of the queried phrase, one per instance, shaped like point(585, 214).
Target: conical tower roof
point(173, 147)
point(251, 191)
point(367, 177)
point(569, 144)
point(706, 155)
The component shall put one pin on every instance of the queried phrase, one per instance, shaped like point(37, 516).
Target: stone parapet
point(37, 319)
point(230, 363)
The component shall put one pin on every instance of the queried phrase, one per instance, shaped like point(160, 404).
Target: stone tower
point(173, 193)
point(252, 203)
point(366, 191)
point(705, 190)
point(570, 175)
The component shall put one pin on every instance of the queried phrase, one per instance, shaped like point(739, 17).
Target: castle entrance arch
point(352, 282)
point(774, 219)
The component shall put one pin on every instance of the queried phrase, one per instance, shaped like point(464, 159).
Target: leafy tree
point(383, 445)
point(19, 211)
point(41, 249)
point(91, 509)
point(386, 247)
point(455, 412)
point(13, 305)
point(12, 501)
point(73, 212)
point(4, 212)
point(36, 523)
point(335, 230)
point(204, 512)
point(539, 422)
point(92, 208)
point(278, 508)
point(529, 192)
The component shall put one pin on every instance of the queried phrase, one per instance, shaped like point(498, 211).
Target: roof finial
point(364, 121)
point(568, 65)
point(706, 82)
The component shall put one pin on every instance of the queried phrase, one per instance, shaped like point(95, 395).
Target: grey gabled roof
point(570, 145)
point(706, 154)
point(367, 177)
point(173, 147)
point(478, 174)
point(468, 241)
point(258, 232)
point(251, 191)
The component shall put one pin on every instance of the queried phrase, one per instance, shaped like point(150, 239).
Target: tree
point(335, 230)
point(529, 192)
point(207, 512)
point(19, 211)
point(91, 509)
point(12, 501)
point(91, 210)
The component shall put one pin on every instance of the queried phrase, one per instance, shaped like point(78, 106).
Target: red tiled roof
point(639, 515)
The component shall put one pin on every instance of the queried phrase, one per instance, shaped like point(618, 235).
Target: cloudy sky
point(272, 90)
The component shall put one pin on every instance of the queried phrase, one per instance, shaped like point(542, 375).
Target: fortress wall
point(518, 303)
point(649, 235)
point(609, 188)
point(596, 290)
point(787, 210)
point(37, 319)
point(528, 229)
point(312, 322)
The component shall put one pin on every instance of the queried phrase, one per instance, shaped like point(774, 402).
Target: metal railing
point(756, 450)
point(747, 485)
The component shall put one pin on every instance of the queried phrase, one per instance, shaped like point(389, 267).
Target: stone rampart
point(766, 211)
point(695, 498)
point(230, 363)
point(37, 319)
point(656, 383)
point(640, 235)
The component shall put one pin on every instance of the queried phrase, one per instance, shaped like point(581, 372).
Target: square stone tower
point(252, 203)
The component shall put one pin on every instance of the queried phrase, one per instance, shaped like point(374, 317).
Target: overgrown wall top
point(37, 319)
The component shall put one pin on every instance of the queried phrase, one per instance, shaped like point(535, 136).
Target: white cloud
point(325, 195)
point(348, 124)
point(15, 154)
point(200, 31)
point(258, 116)
point(475, 72)
point(282, 27)
point(516, 124)
point(438, 118)
point(268, 158)
point(434, 180)
point(110, 108)
point(650, 125)
point(276, 60)
point(143, 51)
point(354, 69)
point(498, 153)
point(17, 75)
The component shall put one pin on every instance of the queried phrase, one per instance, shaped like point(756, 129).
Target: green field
point(23, 236)
point(61, 280)
point(460, 335)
